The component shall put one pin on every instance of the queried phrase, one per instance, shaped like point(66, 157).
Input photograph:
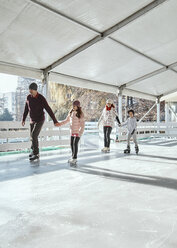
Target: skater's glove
point(133, 132)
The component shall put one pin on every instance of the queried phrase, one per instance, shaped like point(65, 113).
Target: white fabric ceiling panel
point(170, 98)
point(78, 82)
point(108, 62)
point(32, 37)
point(154, 34)
point(157, 85)
point(175, 68)
point(9, 10)
point(20, 71)
point(37, 37)
point(98, 14)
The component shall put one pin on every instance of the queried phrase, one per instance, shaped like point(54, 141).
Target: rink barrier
point(145, 130)
point(15, 137)
point(151, 129)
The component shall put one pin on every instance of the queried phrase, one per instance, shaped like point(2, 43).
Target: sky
point(8, 83)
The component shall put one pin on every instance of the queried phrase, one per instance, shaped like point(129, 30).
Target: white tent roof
point(171, 97)
point(96, 44)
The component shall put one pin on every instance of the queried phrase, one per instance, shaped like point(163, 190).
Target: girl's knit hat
point(76, 103)
point(109, 101)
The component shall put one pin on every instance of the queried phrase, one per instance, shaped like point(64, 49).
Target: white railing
point(15, 137)
point(91, 127)
point(145, 130)
point(151, 129)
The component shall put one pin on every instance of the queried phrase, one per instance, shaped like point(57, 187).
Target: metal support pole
point(45, 78)
point(166, 112)
point(120, 105)
point(45, 92)
point(158, 113)
point(158, 110)
point(120, 101)
point(125, 116)
point(119, 108)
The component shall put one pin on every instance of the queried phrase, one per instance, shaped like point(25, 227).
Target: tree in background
point(6, 116)
point(93, 102)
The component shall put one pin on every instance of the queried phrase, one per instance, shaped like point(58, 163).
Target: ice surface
point(109, 201)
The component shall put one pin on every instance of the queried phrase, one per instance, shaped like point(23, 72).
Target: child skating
point(107, 119)
point(131, 124)
point(77, 124)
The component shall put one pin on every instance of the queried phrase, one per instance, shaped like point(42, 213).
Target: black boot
point(127, 150)
point(34, 157)
point(136, 149)
point(31, 154)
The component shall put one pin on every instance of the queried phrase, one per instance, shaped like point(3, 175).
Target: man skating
point(35, 105)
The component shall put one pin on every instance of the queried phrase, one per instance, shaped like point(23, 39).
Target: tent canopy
point(103, 45)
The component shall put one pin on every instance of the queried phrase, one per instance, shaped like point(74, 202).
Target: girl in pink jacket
point(77, 124)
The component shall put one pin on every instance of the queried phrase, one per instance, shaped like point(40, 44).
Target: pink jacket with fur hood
point(77, 125)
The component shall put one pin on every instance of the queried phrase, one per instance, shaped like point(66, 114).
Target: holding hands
point(58, 124)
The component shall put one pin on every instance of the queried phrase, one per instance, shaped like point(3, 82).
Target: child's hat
point(76, 103)
point(109, 101)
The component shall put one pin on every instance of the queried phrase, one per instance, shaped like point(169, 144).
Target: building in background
point(1, 104)
point(7, 101)
point(15, 101)
point(10, 103)
point(22, 92)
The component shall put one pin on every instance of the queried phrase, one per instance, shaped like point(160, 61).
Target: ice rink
point(109, 201)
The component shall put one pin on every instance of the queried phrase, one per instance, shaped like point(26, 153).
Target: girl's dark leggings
point(107, 133)
point(74, 146)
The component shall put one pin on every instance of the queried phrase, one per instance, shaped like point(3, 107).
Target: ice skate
point(136, 149)
point(73, 162)
point(34, 157)
point(31, 154)
point(70, 160)
point(104, 149)
point(127, 150)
